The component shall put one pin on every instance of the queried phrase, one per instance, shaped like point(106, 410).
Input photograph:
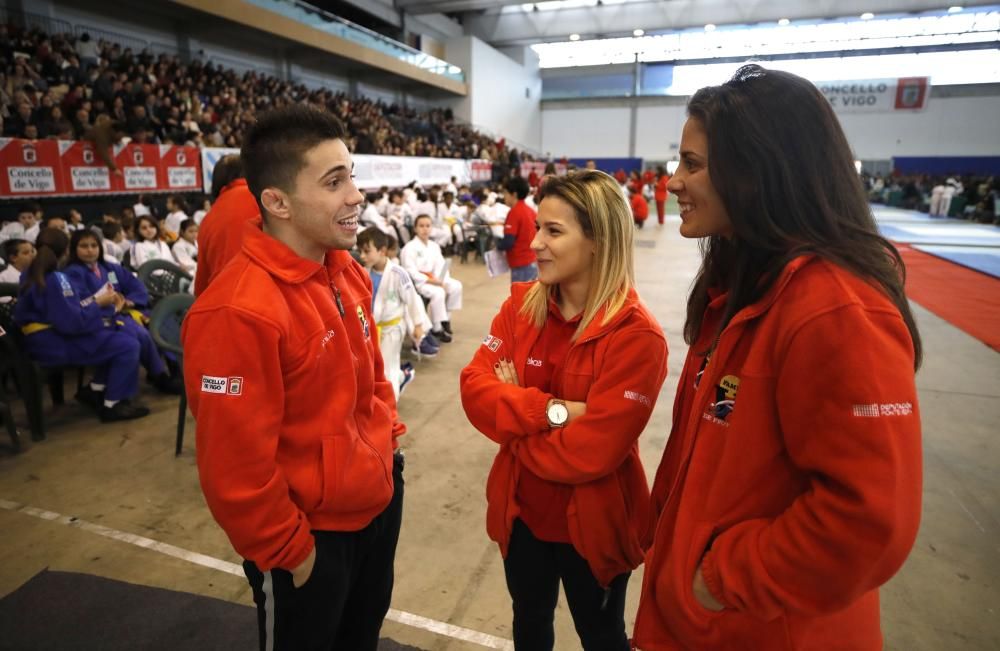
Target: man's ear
point(276, 203)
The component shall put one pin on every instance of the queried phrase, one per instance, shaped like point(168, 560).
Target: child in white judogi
point(422, 258)
point(396, 308)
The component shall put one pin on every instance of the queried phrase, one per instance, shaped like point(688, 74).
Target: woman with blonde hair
point(565, 382)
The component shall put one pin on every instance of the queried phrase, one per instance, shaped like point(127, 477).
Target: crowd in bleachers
point(972, 197)
point(60, 86)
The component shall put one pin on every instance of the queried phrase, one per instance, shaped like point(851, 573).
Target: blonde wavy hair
point(606, 219)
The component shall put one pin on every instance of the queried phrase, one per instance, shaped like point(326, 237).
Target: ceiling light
point(867, 15)
point(638, 32)
point(783, 22)
point(954, 10)
point(710, 27)
point(574, 37)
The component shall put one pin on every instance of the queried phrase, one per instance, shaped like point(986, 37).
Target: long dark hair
point(785, 173)
point(74, 242)
point(51, 244)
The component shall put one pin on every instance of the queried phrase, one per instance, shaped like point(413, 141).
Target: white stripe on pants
point(268, 589)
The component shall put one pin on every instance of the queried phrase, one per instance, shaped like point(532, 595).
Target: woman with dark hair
point(64, 327)
point(790, 487)
point(88, 271)
point(660, 193)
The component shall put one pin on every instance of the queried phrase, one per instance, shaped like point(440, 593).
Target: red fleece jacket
point(617, 368)
point(794, 483)
point(296, 421)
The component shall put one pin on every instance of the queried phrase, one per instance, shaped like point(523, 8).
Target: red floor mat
point(967, 299)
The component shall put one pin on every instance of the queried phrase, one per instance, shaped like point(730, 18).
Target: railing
point(35, 21)
point(324, 21)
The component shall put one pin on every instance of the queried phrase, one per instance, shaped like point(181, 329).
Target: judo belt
point(386, 324)
point(32, 328)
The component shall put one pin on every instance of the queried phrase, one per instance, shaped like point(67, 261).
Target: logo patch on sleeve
point(232, 386)
point(214, 384)
point(493, 343)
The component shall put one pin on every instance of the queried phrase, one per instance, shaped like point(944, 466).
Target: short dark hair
point(186, 224)
point(518, 186)
point(228, 169)
point(110, 229)
point(11, 246)
point(373, 236)
point(48, 219)
point(274, 149)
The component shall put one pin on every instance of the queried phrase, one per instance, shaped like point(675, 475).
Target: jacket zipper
point(364, 439)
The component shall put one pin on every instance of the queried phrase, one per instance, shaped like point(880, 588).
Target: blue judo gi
point(60, 331)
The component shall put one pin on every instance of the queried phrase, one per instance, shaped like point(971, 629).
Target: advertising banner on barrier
point(83, 171)
point(138, 164)
point(178, 168)
point(877, 95)
point(209, 157)
point(539, 168)
point(30, 168)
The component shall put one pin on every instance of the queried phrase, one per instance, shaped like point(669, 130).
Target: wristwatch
point(557, 413)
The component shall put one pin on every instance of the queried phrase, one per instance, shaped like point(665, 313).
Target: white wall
point(949, 126)
point(504, 95)
point(586, 132)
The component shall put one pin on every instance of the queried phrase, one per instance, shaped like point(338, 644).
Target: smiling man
point(297, 424)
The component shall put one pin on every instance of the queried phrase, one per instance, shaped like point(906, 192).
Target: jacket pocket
point(354, 476)
point(700, 542)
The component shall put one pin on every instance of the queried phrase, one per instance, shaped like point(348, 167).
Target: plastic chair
point(28, 375)
point(162, 278)
point(165, 326)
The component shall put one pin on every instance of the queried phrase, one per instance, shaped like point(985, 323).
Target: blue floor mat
point(981, 258)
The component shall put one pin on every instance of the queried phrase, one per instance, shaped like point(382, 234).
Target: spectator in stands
point(220, 235)
point(186, 247)
point(115, 245)
point(74, 220)
point(18, 254)
point(63, 327)
point(422, 259)
point(518, 232)
point(87, 51)
point(397, 309)
point(90, 273)
point(176, 213)
point(148, 245)
point(205, 205)
point(27, 219)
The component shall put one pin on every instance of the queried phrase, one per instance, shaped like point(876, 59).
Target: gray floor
point(124, 477)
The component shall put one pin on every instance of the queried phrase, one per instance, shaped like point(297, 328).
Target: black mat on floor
point(63, 610)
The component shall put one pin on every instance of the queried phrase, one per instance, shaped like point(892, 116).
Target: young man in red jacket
point(297, 424)
point(220, 235)
point(518, 231)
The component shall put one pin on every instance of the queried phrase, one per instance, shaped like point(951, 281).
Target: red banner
point(83, 171)
point(30, 168)
point(480, 170)
point(179, 168)
point(139, 166)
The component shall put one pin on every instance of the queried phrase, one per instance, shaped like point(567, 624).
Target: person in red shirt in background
point(220, 235)
point(790, 487)
point(660, 193)
point(533, 179)
point(565, 382)
point(621, 176)
point(640, 207)
point(648, 177)
point(518, 231)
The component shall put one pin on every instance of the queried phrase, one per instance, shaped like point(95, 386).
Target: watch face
point(558, 414)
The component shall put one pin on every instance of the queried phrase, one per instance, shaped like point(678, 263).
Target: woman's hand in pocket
point(302, 573)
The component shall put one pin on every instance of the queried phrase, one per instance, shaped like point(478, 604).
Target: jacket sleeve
point(499, 410)
point(847, 408)
point(65, 311)
point(619, 404)
point(237, 435)
point(132, 288)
